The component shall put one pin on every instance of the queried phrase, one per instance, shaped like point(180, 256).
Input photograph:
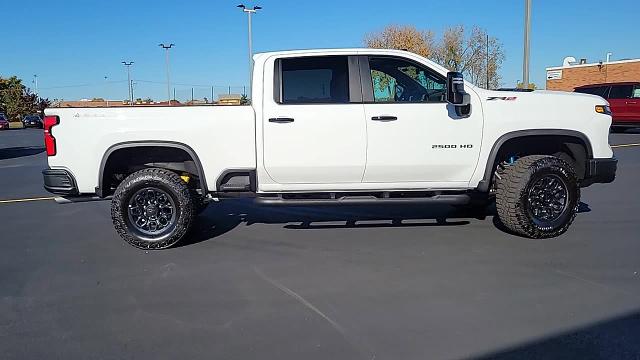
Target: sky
point(73, 45)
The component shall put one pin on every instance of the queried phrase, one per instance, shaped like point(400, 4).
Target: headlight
point(603, 109)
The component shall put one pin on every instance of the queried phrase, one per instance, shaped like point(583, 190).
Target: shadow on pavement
point(615, 338)
point(221, 218)
point(20, 151)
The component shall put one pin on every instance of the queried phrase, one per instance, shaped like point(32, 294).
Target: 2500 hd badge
point(451, 146)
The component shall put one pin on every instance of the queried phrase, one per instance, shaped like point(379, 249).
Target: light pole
point(35, 82)
point(249, 12)
point(166, 48)
point(527, 43)
point(128, 65)
point(106, 98)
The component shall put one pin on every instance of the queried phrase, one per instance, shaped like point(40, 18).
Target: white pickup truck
point(347, 126)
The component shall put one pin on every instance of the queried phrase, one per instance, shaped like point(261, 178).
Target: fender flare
point(150, 143)
point(483, 185)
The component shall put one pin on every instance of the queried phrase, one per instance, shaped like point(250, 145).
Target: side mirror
point(456, 95)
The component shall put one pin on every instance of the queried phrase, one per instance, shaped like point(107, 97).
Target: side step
point(452, 199)
point(79, 199)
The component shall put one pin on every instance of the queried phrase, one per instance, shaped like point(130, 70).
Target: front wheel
point(538, 196)
point(152, 209)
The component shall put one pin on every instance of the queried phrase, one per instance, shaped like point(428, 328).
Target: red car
point(4, 122)
point(624, 99)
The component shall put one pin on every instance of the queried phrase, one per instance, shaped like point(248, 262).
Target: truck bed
point(223, 137)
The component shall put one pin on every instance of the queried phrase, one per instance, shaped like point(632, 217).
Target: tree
point(403, 38)
point(16, 100)
point(456, 50)
point(532, 86)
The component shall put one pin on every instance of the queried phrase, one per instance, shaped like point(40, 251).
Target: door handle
point(384, 118)
point(281, 120)
point(631, 102)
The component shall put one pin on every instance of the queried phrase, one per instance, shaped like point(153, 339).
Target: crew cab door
point(413, 134)
point(313, 127)
point(619, 97)
point(633, 105)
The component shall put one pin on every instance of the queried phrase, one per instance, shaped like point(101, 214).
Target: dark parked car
point(624, 99)
point(32, 121)
point(4, 122)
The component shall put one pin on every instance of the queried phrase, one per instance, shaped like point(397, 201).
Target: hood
point(541, 95)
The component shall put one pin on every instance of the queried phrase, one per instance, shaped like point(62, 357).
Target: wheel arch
point(529, 135)
point(129, 145)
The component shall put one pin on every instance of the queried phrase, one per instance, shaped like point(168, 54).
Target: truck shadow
point(20, 151)
point(221, 218)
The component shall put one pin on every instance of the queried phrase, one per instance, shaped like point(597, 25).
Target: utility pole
point(249, 12)
point(129, 82)
point(487, 61)
point(166, 48)
point(527, 43)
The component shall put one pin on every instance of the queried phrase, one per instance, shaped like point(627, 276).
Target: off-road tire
point(167, 182)
point(514, 183)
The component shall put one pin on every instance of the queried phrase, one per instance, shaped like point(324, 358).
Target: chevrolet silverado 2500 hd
point(349, 126)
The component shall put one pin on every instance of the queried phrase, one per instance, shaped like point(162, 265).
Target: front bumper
point(600, 171)
point(59, 181)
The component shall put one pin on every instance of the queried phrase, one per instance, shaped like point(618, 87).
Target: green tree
point(16, 100)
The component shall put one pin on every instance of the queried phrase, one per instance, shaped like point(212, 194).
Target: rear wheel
point(152, 209)
point(538, 196)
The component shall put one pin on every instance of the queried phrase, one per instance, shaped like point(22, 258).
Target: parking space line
point(11, 201)
point(624, 145)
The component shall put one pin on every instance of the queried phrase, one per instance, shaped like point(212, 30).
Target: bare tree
point(475, 54)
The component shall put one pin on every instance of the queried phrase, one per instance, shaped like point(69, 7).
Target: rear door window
point(315, 80)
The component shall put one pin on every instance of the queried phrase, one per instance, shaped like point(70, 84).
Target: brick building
point(568, 77)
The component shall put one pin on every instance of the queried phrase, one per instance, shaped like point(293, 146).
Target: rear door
point(619, 95)
point(313, 127)
point(633, 105)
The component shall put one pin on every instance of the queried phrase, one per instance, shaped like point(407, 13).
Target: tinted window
point(620, 91)
point(596, 90)
point(317, 80)
point(636, 92)
point(397, 80)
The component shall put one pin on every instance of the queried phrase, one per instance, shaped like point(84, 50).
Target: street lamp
point(35, 82)
point(128, 65)
point(106, 98)
point(527, 43)
point(249, 12)
point(166, 48)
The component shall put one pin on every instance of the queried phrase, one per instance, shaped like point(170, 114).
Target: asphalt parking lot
point(369, 282)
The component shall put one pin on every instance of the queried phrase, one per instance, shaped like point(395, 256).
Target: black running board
point(456, 199)
point(79, 199)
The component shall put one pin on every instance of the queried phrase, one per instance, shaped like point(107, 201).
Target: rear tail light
point(49, 140)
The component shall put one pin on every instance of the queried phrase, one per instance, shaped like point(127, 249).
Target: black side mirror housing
point(456, 95)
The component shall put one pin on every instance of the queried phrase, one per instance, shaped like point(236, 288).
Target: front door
point(314, 129)
point(413, 134)
point(619, 95)
point(633, 105)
